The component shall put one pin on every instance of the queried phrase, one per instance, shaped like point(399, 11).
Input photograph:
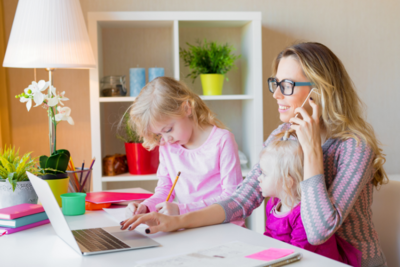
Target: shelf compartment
point(234, 33)
point(131, 44)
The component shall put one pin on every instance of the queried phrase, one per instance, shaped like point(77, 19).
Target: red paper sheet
point(114, 197)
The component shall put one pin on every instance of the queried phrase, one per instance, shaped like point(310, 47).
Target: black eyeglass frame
point(271, 79)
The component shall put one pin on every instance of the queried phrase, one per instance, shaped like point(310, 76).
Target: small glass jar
point(113, 85)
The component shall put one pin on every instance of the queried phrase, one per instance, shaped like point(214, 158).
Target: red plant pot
point(140, 160)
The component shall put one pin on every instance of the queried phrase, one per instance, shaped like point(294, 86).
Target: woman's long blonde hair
point(341, 110)
point(162, 98)
point(283, 161)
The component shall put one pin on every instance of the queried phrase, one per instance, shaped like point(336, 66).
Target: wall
point(364, 34)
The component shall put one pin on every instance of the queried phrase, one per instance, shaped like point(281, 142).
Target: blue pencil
point(80, 178)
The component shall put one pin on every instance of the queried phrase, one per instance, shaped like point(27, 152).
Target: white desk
point(40, 246)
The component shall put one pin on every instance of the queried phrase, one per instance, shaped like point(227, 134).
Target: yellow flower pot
point(212, 83)
point(58, 187)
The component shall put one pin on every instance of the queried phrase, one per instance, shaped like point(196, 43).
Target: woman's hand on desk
point(157, 222)
point(134, 208)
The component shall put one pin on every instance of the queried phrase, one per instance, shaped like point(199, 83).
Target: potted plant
point(52, 168)
point(211, 61)
point(15, 187)
point(140, 160)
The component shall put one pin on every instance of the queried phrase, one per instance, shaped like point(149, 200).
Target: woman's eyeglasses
point(286, 86)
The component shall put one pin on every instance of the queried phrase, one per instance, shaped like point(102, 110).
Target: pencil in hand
point(173, 186)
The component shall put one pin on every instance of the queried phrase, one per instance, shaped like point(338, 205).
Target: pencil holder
point(73, 204)
point(80, 181)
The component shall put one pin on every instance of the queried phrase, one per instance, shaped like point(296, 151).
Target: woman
point(342, 159)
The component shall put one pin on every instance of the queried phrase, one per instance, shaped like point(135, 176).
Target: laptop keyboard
point(97, 239)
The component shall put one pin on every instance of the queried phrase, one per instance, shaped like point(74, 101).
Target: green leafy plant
point(208, 58)
point(126, 131)
point(56, 163)
point(14, 168)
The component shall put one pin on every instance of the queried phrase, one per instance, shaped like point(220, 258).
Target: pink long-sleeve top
point(288, 227)
point(209, 173)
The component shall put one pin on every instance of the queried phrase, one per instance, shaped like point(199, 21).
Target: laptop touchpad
point(131, 238)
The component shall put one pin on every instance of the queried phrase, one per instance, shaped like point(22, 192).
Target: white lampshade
point(49, 34)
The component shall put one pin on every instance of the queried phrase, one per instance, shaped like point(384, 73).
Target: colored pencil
point(173, 186)
point(76, 177)
point(73, 181)
point(87, 175)
point(82, 168)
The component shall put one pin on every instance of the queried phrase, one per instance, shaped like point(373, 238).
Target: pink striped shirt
point(209, 173)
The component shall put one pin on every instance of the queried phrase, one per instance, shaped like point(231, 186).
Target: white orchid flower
point(53, 90)
point(28, 102)
point(64, 115)
point(52, 101)
point(36, 90)
point(28, 91)
point(62, 98)
point(56, 99)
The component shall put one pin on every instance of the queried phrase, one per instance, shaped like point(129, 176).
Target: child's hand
point(168, 208)
point(157, 222)
point(134, 208)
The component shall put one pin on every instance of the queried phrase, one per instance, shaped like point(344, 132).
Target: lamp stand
point(52, 126)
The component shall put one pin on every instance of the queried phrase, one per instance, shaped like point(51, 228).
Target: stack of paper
point(231, 254)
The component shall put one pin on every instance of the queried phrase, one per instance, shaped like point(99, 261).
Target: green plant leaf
point(42, 161)
point(62, 151)
point(11, 165)
point(12, 181)
point(7, 165)
point(3, 173)
point(58, 162)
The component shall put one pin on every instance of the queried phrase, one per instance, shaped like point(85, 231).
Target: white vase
point(24, 193)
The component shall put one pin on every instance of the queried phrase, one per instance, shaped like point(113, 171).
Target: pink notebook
point(7, 231)
point(20, 211)
point(114, 197)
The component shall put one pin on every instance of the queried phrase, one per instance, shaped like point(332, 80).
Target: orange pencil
point(173, 186)
point(76, 177)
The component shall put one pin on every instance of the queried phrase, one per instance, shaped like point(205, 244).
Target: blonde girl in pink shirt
point(192, 141)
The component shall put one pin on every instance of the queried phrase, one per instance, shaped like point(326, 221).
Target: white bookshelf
point(123, 40)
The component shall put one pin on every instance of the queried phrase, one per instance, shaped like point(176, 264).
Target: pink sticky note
point(270, 254)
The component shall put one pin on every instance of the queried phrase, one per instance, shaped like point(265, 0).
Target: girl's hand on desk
point(134, 208)
point(168, 208)
point(156, 221)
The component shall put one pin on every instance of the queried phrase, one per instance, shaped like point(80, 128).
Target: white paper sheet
point(226, 255)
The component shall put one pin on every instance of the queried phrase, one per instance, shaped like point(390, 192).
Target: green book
point(24, 220)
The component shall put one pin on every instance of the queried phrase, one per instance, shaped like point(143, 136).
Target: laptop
point(87, 241)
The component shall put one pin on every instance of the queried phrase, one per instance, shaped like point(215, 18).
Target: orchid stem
point(52, 116)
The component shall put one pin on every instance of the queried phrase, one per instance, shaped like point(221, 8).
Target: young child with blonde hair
point(191, 141)
point(281, 163)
